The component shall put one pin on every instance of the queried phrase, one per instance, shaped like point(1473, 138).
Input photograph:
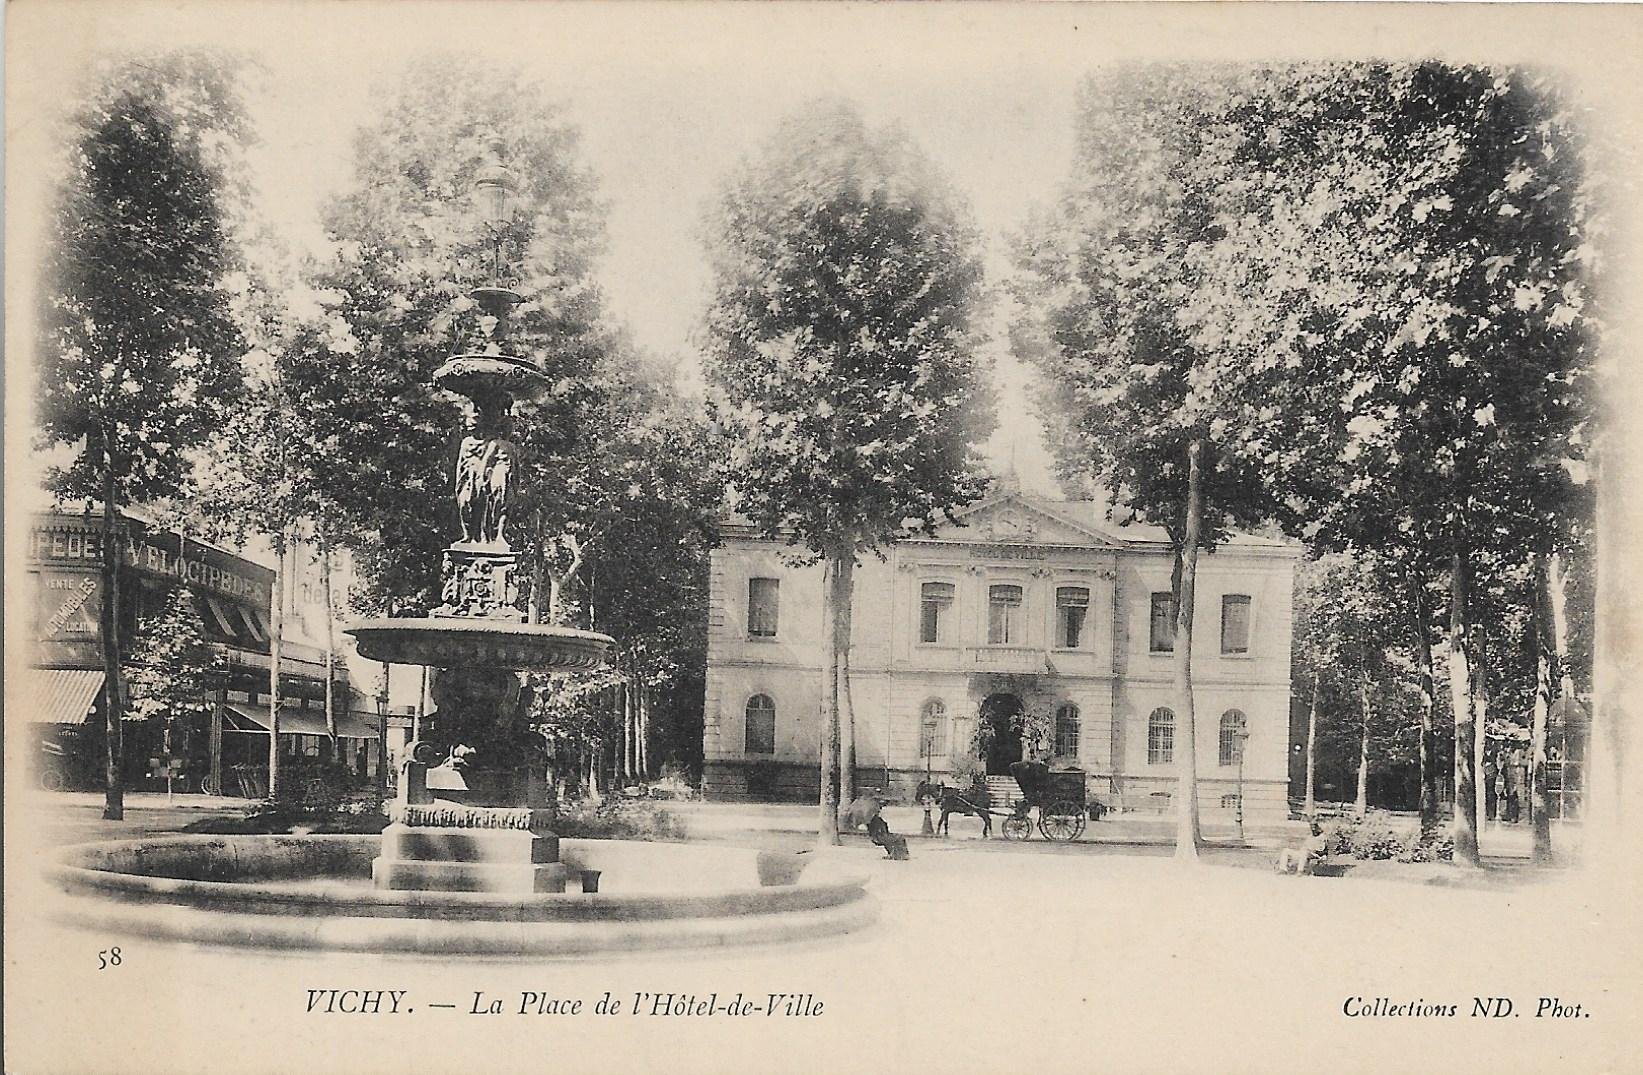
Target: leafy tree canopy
point(844, 359)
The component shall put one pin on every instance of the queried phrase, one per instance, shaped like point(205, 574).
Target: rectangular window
point(1163, 623)
point(1235, 623)
point(1003, 610)
point(762, 597)
point(934, 601)
point(1072, 604)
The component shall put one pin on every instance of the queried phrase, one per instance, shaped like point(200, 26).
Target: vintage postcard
point(709, 537)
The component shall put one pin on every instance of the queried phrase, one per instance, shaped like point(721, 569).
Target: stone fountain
point(469, 863)
point(472, 812)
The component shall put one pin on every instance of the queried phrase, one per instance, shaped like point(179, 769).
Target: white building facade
point(1030, 606)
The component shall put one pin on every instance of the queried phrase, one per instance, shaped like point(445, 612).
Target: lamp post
point(382, 732)
point(1240, 736)
point(926, 747)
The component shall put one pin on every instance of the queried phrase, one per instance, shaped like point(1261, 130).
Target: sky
point(669, 97)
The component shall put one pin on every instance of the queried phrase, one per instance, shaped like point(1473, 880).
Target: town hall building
point(1032, 619)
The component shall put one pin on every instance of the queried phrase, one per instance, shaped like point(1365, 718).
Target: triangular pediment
point(1011, 518)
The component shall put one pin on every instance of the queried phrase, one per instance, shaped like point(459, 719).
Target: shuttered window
point(763, 596)
point(1163, 623)
point(935, 599)
point(1072, 605)
point(1235, 623)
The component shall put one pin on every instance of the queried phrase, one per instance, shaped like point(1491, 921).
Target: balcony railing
point(1008, 659)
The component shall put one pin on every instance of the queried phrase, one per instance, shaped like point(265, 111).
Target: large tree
point(1376, 275)
point(138, 344)
point(408, 244)
point(1109, 290)
point(1403, 272)
point(843, 357)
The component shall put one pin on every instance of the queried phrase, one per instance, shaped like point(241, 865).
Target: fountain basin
point(314, 893)
point(476, 375)
point(456, 642)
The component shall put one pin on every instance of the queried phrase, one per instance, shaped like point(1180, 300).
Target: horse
point(952, 802)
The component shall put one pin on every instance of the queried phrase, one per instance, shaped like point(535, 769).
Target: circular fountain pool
point(314, 893)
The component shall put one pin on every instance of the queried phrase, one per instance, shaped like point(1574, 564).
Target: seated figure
point(864, 812)
point(1306, 857)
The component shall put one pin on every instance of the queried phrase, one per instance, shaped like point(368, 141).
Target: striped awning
point(55, 695)
point(295, 720)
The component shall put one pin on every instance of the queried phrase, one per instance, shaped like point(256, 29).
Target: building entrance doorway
point(1001, 713)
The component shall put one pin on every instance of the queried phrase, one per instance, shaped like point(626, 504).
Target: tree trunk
point(644, 733)
point(630, 748)
point(1188, 837)
point(1428, 702)
point(382, 730)
point(330, 645)
point(276, 634)
point(109, 617)
point(1480, 731)
point(1460, 694)
point(1541, 848)
point(847, 720)
point(1361, 806)
point(534, 606)
point(836, 581)
point(1310, 808)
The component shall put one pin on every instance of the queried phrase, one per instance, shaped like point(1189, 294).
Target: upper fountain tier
point(451, 642)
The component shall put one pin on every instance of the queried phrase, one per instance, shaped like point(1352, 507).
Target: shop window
point(761, 725)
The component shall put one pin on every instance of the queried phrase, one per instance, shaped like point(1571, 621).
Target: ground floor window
point(1066, 731)
point(1233, 730)
point(933, 730)
point(1161, 737)
point(760, 735)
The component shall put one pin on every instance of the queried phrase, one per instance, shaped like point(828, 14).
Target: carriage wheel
point(1017, 827)
point(1061, 821)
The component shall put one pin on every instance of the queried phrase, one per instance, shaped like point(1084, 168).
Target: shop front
point(218, 744)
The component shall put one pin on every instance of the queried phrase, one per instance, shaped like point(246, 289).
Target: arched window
point(761, 725)
point(1066, 731)
point(1232, 724)
point(1161, 737)
point(933, 729)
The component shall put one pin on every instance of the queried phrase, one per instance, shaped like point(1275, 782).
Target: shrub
point(1379, 836)
point(617, 819)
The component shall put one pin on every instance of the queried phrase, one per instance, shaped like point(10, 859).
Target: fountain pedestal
point(481, 819)
point(446, 847)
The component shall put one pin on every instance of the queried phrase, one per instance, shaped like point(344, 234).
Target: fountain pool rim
point(246, 905)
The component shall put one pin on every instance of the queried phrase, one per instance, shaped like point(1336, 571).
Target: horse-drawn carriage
point(1059, 799)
